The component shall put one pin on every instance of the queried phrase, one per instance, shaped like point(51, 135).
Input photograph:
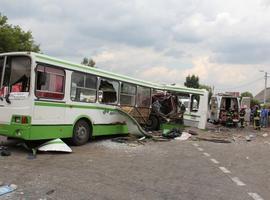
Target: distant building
point(260, 96)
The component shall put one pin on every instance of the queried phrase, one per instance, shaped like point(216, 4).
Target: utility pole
point(265, 87)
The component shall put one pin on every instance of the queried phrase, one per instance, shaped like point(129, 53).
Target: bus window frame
point(150, 97)
point(96, 88)
point(6, 57)
point(192, 97)
point(135, 95)
point(64, 82)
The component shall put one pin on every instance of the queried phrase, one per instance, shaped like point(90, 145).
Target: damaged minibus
point(42, 97)
point(224, 109)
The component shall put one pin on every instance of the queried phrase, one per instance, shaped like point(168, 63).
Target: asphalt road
point(186, 170)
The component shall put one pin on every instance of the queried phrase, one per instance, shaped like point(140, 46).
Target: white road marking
point(195, 145)
point(225, 170)
point(200, 149)
point(214, 161)
point(206, 154)
point(237, 181)
point(255, 196)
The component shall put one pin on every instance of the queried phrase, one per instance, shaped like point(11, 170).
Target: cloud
point(223, 42)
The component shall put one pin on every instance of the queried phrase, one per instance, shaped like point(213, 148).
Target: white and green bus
point(42, 97)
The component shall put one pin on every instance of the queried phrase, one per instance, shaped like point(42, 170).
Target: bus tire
point(153, 123)
point(81, 133)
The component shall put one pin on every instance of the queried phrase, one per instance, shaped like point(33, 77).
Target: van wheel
point(81, 133)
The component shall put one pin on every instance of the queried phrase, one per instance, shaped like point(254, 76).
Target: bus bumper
point(21, 131)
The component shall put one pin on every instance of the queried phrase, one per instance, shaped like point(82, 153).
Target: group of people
point(260, 116)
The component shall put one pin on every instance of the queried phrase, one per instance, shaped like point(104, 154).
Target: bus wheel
point(81, 133)
point(153, 123)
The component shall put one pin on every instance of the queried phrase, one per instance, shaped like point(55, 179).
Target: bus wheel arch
point(82, 131)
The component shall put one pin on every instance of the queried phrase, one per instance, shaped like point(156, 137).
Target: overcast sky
point(224, 42)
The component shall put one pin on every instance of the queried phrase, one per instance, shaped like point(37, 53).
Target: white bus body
point(32, 108)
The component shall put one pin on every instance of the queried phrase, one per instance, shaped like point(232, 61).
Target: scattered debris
point(192, 132)
point(55, 145)
point(216, 140)
point(4, 151)
point(121, 139)
point(7, 189)
point(265, 135)
point(184, 136)
point(173, 133)
point(50, 192)
point(248, 139)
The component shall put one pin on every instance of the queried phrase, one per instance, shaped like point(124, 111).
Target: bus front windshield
point(16, 76)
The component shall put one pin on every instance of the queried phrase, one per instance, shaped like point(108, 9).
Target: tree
point(192, 81)
point(209, 89)
point(246, 94)
point(88, 62)
point(13, 38)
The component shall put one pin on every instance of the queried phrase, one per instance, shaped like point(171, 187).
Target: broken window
point(108, 91)
point(143, 96)
point(17, 74)
point(83, 87)
point(184, 99)
point(128, 94)
point(195, 100)
point(50, 82)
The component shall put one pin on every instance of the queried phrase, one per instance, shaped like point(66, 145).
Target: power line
point(240, 86)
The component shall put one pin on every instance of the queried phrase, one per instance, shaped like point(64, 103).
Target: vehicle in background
point(224, 109)
point(42, 97)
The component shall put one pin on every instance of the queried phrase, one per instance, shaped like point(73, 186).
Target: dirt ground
point(103, 169)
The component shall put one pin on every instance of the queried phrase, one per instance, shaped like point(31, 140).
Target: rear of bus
point(15, 95)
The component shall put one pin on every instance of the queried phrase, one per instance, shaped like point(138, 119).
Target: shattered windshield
point(17, 74)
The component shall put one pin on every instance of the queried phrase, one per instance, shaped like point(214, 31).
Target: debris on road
point(50, 192)
point(7, 189)
point(171, 134)
point(4, 151)
point(216, 140)
point(192, 132)
point(55, 145)
point(248, 138)
point(265, 135)
point(184, 136)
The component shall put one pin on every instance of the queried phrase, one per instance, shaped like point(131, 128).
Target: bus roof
point(103, 73)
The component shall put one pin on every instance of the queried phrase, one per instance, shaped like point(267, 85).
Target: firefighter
point(242, 114)
point(257, 120)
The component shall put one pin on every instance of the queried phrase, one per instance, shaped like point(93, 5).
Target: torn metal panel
point(55, 145)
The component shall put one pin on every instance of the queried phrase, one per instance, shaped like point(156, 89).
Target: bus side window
point(143, 97)
point(108, 91)
point(127, 94)
point(83, 87)
point(195, 101)
point(50, 82)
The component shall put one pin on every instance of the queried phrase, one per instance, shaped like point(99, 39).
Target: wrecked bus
point(42, 97)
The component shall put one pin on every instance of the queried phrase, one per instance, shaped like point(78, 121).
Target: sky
point(224, 42)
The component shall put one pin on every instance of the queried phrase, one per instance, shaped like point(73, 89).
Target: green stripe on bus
point(109, 129)
point(53, 131)
point(51, 104)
